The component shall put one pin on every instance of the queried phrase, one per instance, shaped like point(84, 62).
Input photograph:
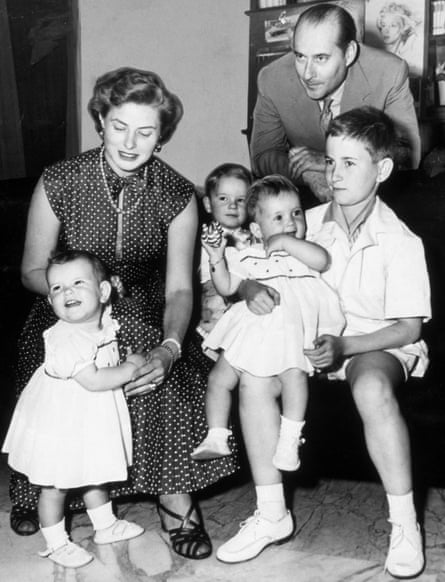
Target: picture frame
point(399, 27)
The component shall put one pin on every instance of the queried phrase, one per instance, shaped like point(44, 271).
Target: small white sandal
point(120, 530)
point(70, 555)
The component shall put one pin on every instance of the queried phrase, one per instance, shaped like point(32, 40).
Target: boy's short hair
point(269, 186)
point(371, 127)
point(64, 257)
point(227, 170)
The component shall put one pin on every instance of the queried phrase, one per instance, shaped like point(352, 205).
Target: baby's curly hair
point(269, 186)
point(61, 258)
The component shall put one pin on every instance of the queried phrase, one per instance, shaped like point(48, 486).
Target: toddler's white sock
point(55, 535)
point(291, 428)
point(401, 508)
point(219, 434)
point(102, 516)
point(270, 501)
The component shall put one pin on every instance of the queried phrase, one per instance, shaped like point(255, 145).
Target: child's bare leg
point(108, 528)
point(222, 381)
point(51, 506)
point(60, 549)
point(260, 422)
point(294, 396)
point(373, 377)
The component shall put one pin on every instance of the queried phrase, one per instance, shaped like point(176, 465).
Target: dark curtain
point(38, 95)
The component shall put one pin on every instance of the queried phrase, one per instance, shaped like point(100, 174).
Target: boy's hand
point(327, 351)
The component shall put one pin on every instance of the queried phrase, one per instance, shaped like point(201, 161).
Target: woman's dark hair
point(228, 170)
point(64, 257)
point(127, 85)
point(269, 186)
point(370, 126)
point(338, 16)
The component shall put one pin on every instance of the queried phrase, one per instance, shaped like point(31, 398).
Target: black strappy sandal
point(189, 540)
point(23, 521)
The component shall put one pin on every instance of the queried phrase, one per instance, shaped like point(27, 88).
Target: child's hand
point(213, 241)
point(137, 359)
point(277, 242)
point(212, 234)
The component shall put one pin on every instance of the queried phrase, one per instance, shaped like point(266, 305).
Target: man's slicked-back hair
point(338, 16)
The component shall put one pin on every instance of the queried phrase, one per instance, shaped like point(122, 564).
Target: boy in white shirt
point(378, 268)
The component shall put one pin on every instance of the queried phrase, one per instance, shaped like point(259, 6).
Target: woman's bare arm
point(42, 233)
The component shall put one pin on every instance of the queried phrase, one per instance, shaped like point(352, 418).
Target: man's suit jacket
point(285, 116)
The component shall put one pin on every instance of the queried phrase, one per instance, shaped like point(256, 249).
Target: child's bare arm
point(330, 349)
point(101, 379)
point(309, 253)
point(214, 243)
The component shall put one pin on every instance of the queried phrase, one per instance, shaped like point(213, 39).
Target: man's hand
point(260, 299)
point(318, 185)
point(303, 159)
point(327, 351)
point(308, 166)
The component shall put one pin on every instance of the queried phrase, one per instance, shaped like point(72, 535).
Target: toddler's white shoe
point(287, 457)
point(405, 556)
point(256, 533)
point(211, 448)
point(70, 555)
point(118, 532)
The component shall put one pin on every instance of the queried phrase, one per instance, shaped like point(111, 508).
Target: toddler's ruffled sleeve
point(69, 353)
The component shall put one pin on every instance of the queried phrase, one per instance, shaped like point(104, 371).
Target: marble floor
point(341, 536)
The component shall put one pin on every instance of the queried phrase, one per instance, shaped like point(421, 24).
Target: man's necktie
point(326, 115)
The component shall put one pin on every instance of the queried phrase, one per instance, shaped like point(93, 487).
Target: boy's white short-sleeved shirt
point(382, 277)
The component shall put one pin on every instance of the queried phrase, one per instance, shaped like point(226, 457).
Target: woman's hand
point(328, 350)
point(260, 299)
point(156, 368)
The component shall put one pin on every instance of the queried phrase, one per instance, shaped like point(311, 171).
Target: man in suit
point(327, 73)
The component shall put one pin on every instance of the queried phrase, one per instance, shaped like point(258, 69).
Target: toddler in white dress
point(254, 348)
point(71, 426)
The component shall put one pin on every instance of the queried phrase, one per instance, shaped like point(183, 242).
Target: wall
point(198, 47)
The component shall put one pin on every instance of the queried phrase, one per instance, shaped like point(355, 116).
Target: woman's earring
point(158, 148)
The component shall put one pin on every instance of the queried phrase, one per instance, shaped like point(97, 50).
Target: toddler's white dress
point(61, 434)
point(266, 345)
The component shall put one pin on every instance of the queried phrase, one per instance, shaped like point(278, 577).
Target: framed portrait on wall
point(398, 27)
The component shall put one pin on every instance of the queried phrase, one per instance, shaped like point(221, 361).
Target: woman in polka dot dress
point(138, 216)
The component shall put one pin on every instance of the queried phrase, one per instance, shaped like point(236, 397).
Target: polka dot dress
point(168, 423)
